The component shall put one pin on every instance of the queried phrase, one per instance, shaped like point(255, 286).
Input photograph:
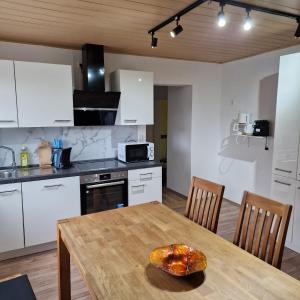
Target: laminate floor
point(42, 267)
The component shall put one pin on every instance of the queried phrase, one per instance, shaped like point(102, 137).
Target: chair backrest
point(204, 203)
point(262, 227)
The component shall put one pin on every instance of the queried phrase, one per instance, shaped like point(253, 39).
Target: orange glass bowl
point(178, 259)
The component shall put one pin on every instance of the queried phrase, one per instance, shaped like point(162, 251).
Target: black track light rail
point(246, 6)
point(177, 16)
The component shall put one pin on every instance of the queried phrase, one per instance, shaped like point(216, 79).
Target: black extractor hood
point(92, 105)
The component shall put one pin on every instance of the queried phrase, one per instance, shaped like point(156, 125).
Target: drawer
point(143, 192)
point(283, 190)
point(144, 174)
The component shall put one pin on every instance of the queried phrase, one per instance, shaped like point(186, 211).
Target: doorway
point(171, 135)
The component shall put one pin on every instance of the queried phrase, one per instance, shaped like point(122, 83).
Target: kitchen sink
point(6, 174)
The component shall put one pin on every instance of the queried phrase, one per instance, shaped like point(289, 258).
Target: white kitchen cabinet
point(11, 217)
point(296, 227)
point(287, 124)
point(44, 203)
point(283, 190)
point(144, 185)
point(8, 100)
point(137, 100)
point(44, 94)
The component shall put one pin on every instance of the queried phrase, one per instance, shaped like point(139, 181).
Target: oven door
point(96, 197)
point(137, 152)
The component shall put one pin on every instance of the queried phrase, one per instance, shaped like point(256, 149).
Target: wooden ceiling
point(122, 25)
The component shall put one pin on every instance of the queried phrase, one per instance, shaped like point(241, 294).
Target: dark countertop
point(78, 169)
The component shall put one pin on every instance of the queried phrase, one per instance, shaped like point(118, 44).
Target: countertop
point(78, 168)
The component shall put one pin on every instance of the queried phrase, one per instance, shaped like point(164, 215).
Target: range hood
point(92, 105)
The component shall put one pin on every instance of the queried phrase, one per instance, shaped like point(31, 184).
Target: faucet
point(12, 154)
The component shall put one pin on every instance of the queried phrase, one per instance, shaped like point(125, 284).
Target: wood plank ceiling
point(122, 25)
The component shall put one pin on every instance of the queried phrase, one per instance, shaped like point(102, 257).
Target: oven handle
point(100, 185)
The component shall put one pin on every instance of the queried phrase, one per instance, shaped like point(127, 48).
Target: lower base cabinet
point(11, 217)
point(44, 203)
point(283, 190)
point(296, 228)
point(144, 185)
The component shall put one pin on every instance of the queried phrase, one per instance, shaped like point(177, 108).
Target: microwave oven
point(135, 152)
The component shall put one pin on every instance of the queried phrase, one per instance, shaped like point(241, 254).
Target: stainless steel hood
point(93, 106)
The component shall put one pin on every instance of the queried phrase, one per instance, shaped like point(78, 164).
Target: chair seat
point(18, 288)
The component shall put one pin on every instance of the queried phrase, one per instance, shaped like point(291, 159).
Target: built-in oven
point(101, 192)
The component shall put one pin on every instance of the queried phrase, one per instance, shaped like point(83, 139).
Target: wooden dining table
point(111, 251)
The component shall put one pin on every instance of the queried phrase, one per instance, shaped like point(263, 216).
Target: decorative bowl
point(178, 259)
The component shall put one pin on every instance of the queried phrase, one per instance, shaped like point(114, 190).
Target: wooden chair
point(262, 228)
point(204, 203)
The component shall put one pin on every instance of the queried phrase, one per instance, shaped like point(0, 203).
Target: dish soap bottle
point(24, 157)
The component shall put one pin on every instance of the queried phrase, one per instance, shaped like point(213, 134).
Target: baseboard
point(27, 251)
point(176, 193)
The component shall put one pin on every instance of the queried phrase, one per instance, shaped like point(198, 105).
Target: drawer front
point(45, 202)
point(296, 228)
point(140, 192)
point(285, 163)
point(283, 190)
point(146, 174)
point(11, 217)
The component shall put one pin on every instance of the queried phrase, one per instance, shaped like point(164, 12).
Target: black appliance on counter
point(61, 158)
point(103, 191)
point(261, 128)
point(93, 106)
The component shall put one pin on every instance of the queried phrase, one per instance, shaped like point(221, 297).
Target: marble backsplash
point(86, 142)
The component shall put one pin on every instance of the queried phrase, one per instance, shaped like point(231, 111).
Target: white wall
point(248, 85)
point(179, 138)
point(205, 80)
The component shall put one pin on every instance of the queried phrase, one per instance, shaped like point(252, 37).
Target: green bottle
point(24, 157)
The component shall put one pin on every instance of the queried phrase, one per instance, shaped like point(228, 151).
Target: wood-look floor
point(42, 268)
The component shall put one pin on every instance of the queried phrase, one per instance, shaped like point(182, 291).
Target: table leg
point(64, 275)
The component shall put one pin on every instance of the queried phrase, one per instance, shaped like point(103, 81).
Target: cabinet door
point(296, 227)
point(144, 174)
point(11, 217)
point(283, 190)
point(45, 94)
point(287, 125)
point(144, 191)
point(8, 100)
point(136, 104)
point(44, 203)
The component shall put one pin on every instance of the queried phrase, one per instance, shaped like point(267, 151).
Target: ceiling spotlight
point(154, 41)
point(221, 17)
point(177, 30)
point(297, 33)
point(248, 22)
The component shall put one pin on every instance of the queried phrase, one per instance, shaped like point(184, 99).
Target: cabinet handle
point(284, 183)
point(100, 185)
point(149, 176)
point(8, 192)
point(53, 186)
point(130, 121)
point(282, 170)
point(61, 121)
point(7, 121)
point(138, 186)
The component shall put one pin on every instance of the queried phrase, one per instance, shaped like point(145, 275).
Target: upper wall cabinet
point(287, 125)
point(44, 94)
point(136, 103)
point(8, 101)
